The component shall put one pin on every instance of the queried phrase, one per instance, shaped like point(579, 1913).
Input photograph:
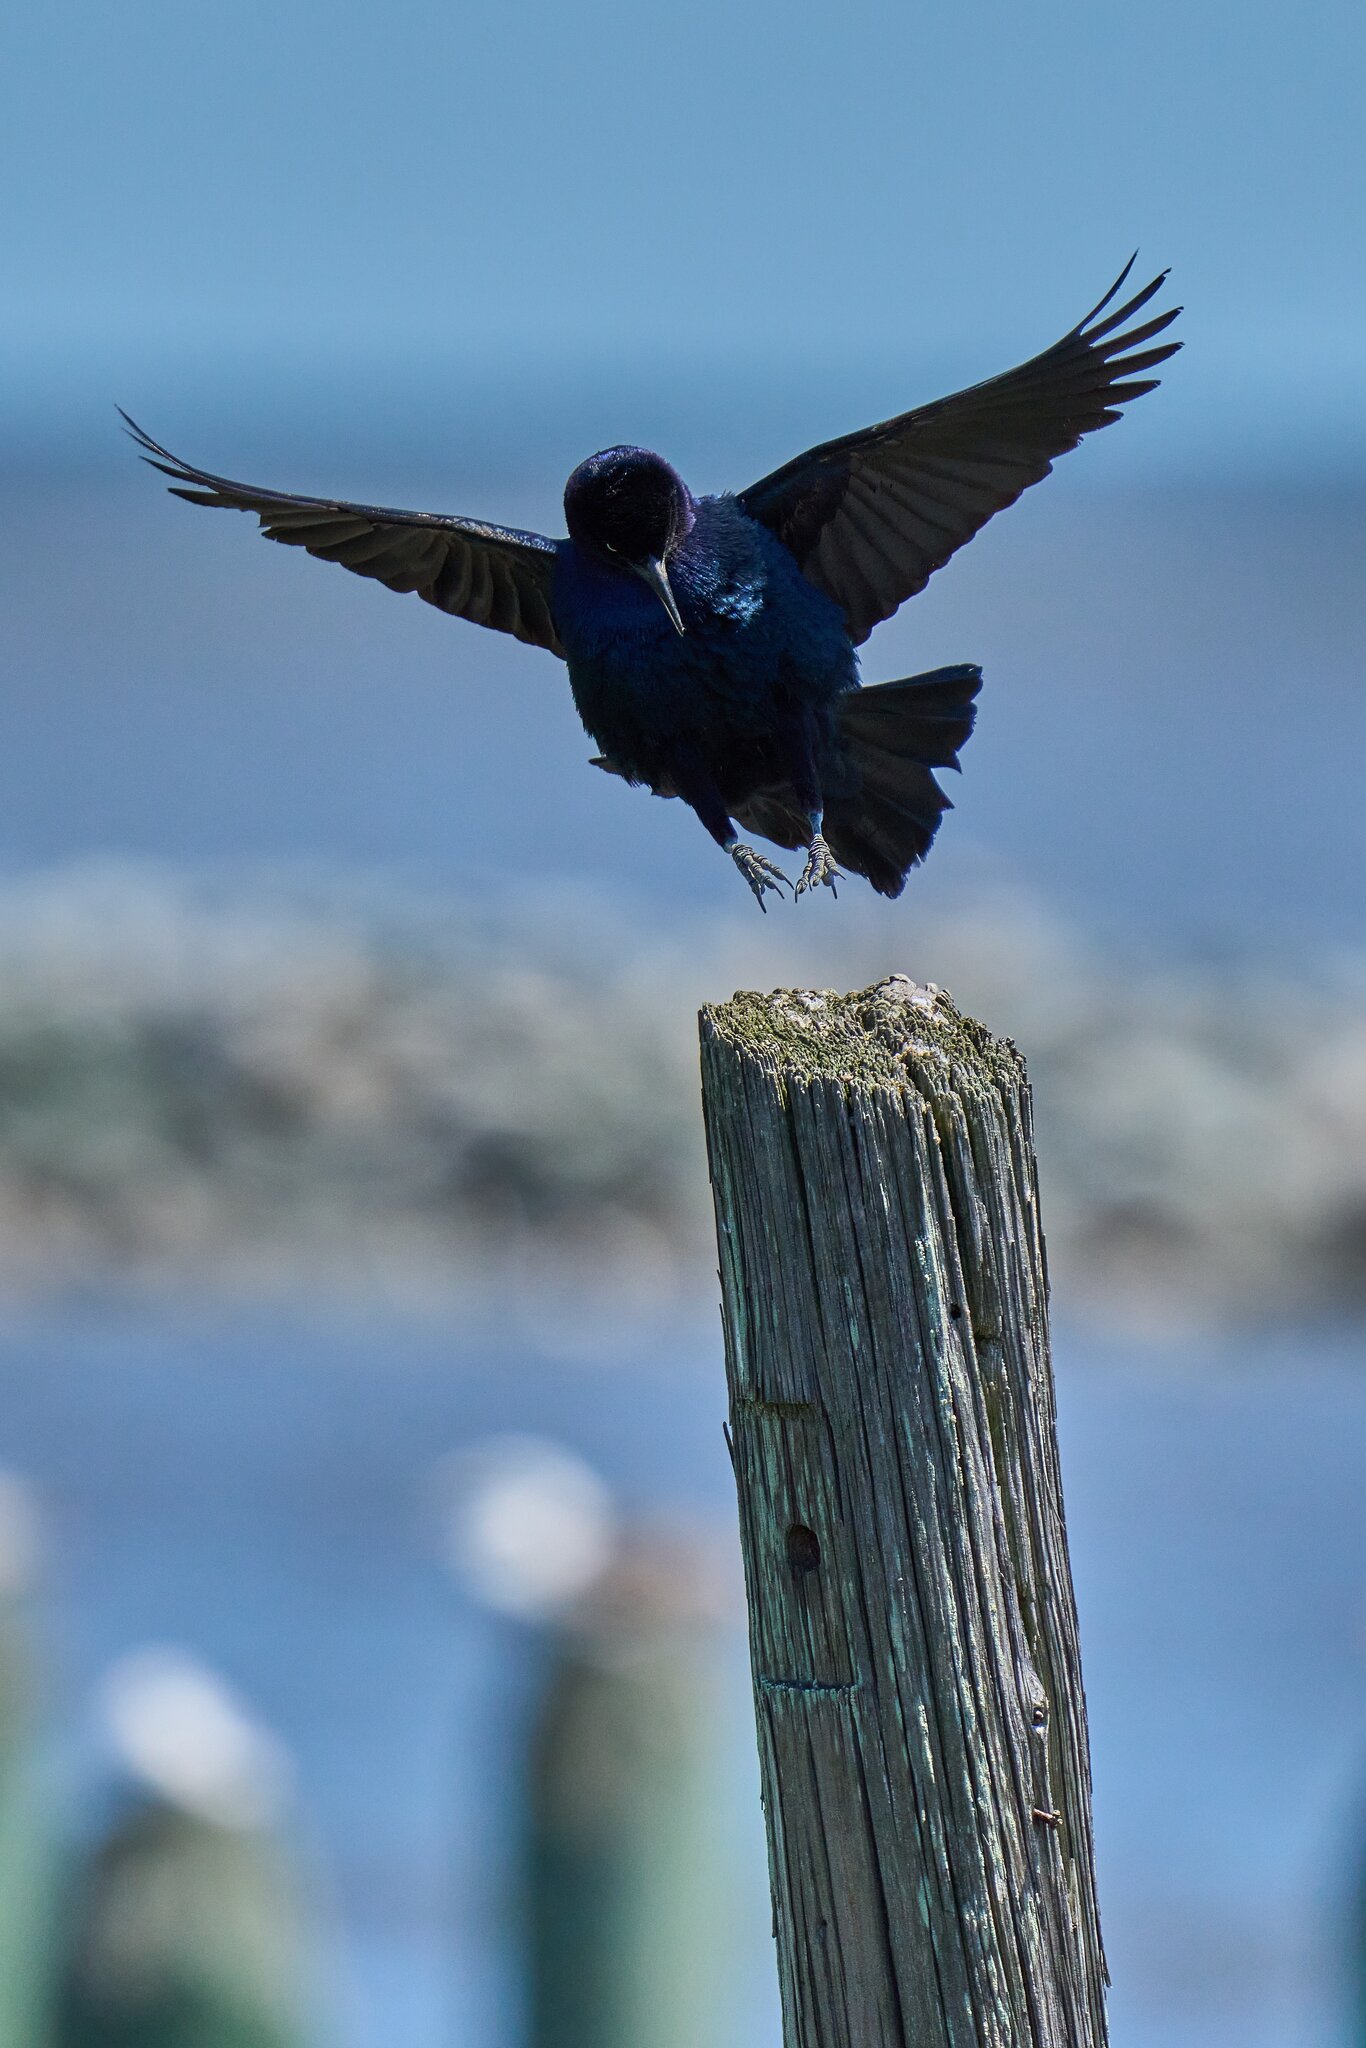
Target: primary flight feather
point(710, 641)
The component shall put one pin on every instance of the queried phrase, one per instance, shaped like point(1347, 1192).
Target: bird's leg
point(820, 861)
point(698, 790)
point(806, 783)
point(760, 873)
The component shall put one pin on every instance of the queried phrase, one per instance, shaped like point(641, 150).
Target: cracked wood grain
point(917, 1681)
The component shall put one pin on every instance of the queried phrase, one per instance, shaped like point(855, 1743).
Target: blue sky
point(437, 211)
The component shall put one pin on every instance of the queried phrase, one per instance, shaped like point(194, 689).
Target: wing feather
point(493, 575)
point(872, 515)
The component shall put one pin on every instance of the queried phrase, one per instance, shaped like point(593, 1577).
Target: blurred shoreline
point(265, 1088)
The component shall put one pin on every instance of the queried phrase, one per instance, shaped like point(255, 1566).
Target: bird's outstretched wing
point(870, 517)
point(492, 575)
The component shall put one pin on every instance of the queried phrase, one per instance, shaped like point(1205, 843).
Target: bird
point(711, 641)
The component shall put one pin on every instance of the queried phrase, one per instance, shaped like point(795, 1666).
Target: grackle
point(710, 641)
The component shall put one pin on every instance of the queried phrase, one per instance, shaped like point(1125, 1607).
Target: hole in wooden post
point(955, 1311)
point(803, 1548)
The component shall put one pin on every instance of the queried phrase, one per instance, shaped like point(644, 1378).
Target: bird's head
point(631, 509)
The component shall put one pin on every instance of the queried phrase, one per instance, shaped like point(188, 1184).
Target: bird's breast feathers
point(752, 625)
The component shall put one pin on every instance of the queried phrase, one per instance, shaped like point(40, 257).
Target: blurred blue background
point(433, 257)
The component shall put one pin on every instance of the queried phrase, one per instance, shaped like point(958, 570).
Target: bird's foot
point(820, 867)
point(758, 872)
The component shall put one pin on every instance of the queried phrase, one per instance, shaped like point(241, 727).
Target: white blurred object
point(19, 1535)
point(526, 1523)
point(184, 1733)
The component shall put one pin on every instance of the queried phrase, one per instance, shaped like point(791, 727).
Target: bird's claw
point(758, 872)
point(820, 867)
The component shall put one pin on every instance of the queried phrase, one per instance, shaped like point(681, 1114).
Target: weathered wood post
point(181, 1932)
point(625, 1874)
point(922, 1728)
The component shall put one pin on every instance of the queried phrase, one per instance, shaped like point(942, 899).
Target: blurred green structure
point(626, 1901)
point(183, 1932)
point(181, 1926)
point(27, 1873)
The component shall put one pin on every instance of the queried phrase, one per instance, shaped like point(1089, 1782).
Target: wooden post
point(922, 1728)
point(181, 1932)
point(626, 1895)
point(27, 1833)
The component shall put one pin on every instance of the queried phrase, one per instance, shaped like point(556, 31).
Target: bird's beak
point(656, 575)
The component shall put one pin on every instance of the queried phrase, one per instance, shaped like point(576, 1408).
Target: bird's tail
point(893, 734)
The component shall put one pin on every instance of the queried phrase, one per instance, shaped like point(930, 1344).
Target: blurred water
point(251, 1488)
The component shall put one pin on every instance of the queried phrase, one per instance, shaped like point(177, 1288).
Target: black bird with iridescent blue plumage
point(710, 641)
